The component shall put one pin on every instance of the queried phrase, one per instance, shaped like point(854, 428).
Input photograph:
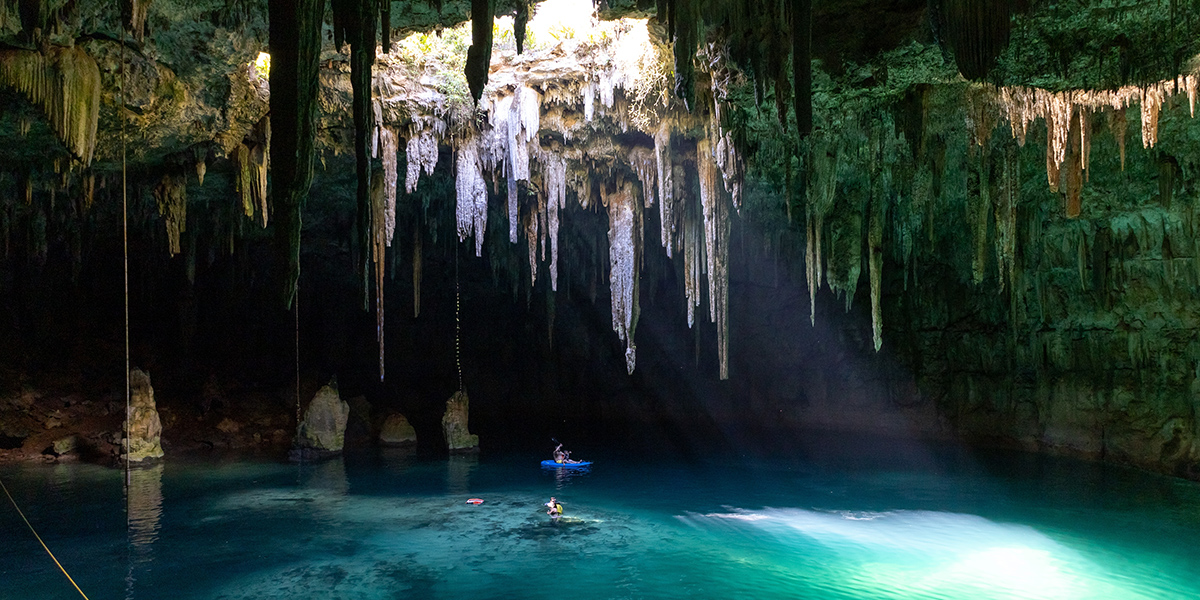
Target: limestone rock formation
point(454, 424)
point(143, 426)
point(322, 433)
point(397, 431)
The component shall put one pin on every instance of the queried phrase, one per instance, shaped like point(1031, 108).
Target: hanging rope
point(296, 303)
point(457, 323)
point(39, 539)
point(125, 257)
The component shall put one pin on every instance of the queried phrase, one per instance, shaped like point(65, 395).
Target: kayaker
point(561, 456)
point(556, 509)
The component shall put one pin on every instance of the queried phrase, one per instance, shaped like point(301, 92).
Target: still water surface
point(950, 525)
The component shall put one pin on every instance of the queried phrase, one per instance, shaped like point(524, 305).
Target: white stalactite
point(422, 151)
point(716, 245)
point(666, 204)
point(622, 259)
point(389, 140)
point(471, 192)
point(556, 195)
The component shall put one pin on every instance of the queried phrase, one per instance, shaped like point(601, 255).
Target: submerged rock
point(397, 431)
point(323, 431)
point(143, 426)
point(454, 424)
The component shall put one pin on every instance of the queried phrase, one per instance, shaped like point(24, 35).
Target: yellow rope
point(39, 539)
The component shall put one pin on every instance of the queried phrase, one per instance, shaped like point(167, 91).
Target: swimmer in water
point(556, 509)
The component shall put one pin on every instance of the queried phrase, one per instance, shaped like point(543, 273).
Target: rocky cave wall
point(917, 267)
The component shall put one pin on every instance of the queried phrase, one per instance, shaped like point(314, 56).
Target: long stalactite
point(295, 43)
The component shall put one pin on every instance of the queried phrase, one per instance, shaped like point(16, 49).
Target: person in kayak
point(562, 457)
point(556, 509)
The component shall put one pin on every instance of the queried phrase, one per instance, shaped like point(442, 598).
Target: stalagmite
point(171, 196)
point(65, 84)
point(622, 259)
point(389, 143)
point(471, 193)
point(716, 245)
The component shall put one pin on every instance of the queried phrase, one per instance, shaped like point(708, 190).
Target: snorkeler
point(556, 509)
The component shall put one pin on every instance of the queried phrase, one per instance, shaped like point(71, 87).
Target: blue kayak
point(572, 465)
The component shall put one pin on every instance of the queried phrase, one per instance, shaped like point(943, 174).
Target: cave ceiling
point(708, 94)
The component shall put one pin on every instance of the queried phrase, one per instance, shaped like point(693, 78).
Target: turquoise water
point(935, 524)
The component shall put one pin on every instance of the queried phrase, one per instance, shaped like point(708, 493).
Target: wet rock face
point(324, 426)
point(454, 424)
point(144, 426)
point(397, 431)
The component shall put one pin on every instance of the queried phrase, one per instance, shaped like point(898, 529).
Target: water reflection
point(564, 475)
point(144, 511)
point(328, 475)
point(397, 460)
point(458, 472)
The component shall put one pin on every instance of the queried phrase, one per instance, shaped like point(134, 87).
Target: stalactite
point(134, 12)
point(622, 258)
point(379, 240)
point(1152, 99)
point(1005, 206)
point(531, 239)
point(519, 22)
point(802, 65)
point(692, 240)
point(65, 84)
point(361, 25)
point(980, 206)
point(244, 178)
point(1073, 171)
point(89, 190)
point(716, 245)
point(422, 154)
point(471, 193)
point(479, 55)
point(389, 143)
point(685, 28)
point(1023, 105)
point(666, 203)
point(295, 44)
point(1118, 125)
point(171, 196)
point(810, 263)
point(976, 30)
point(556, 192)
point(201, 165)
point(259, 155)
point(875, 268)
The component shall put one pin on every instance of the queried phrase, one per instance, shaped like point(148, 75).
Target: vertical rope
point(296, 303)
point(457, 322)
point(125, 257)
